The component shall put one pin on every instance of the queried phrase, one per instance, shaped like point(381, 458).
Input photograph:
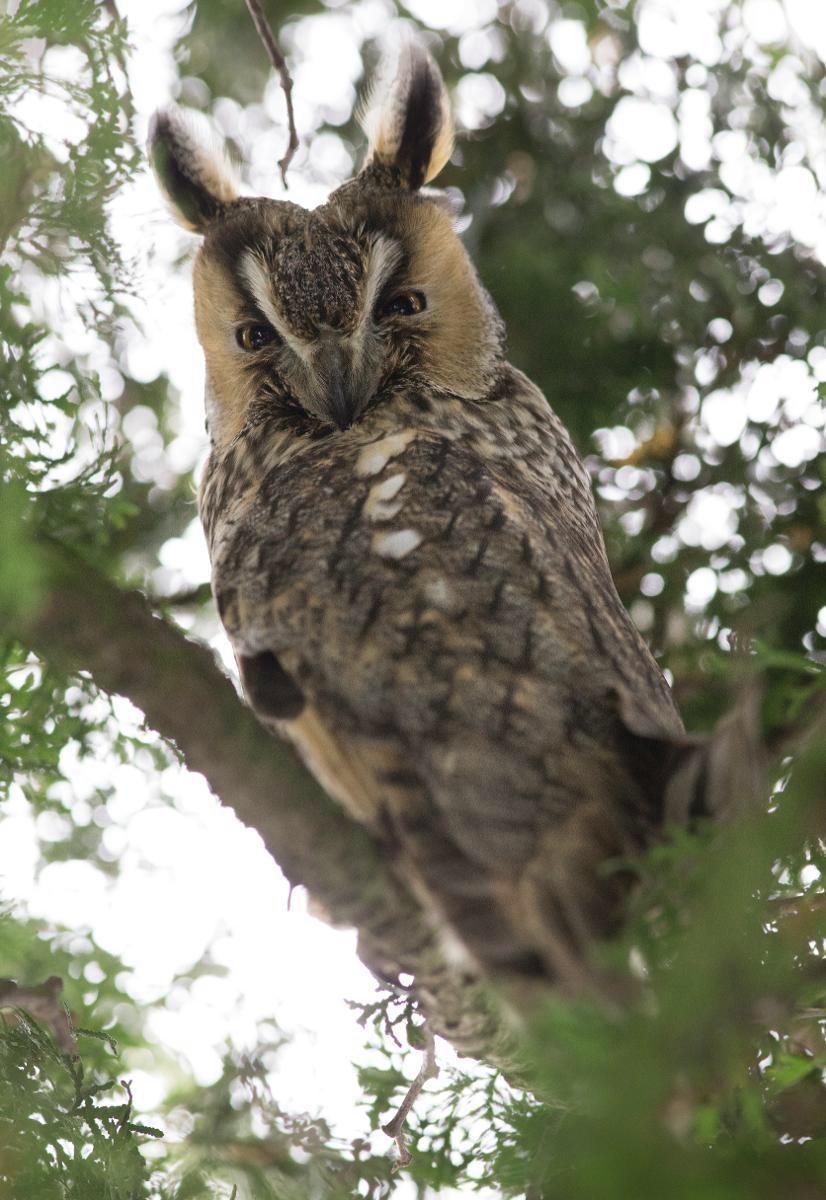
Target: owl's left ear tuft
point(407, 118)
point(191, 167)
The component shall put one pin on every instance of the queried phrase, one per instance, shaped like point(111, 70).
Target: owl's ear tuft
point(407, 118)
point(192, 169)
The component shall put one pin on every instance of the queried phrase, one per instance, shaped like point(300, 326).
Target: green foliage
point(73, 1142)
point(56, 230)
point(640, 304)
point(67, 1128)
point(62, 472)
point(55, 233)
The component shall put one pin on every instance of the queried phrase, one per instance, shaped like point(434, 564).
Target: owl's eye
point(404, 304)
point(255, 337)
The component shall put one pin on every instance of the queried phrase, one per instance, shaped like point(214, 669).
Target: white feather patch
point(397, 544)
point(375, 456)
point(381, 503)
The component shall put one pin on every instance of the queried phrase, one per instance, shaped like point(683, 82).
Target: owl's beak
point(337, 391)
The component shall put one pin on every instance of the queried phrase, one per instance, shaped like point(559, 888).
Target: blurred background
point(642, 188)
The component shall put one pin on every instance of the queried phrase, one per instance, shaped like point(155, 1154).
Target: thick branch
point(87, 623)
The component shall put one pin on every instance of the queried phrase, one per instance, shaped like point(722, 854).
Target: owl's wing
point(467, 672)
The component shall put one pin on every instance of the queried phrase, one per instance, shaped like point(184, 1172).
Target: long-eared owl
point(405, 550)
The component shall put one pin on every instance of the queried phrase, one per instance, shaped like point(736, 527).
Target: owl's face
point(314, 318)
point(321, 314)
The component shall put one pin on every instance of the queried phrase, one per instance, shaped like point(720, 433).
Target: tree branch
point(280, 63)
point(87, 623)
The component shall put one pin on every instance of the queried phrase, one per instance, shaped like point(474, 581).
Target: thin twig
point(279, 62)
point(395, 1127)
point(126, 1084)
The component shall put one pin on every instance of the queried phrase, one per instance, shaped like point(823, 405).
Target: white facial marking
point(375, 457)
point(256, 275)
point(397, 544)
point(384, 257)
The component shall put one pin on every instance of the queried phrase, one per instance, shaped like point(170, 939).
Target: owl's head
point(315, 317)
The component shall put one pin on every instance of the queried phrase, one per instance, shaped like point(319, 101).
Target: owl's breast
point(407, 580)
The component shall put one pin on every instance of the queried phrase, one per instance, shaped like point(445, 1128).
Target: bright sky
point(190, 875)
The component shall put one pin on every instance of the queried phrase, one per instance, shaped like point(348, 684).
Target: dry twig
point(395, 1127)
point(279, 62)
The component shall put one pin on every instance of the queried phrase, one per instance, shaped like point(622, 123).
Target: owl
point(405, 550)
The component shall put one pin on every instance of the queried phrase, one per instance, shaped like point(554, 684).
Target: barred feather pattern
point(434, 581)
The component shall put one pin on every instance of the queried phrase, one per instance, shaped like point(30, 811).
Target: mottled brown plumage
point(406, 554)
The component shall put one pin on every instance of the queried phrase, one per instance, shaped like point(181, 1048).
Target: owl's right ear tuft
point(192, 169)
point(407, 118)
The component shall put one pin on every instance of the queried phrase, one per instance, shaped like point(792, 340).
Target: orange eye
point(255, 337)
point(405, 304)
